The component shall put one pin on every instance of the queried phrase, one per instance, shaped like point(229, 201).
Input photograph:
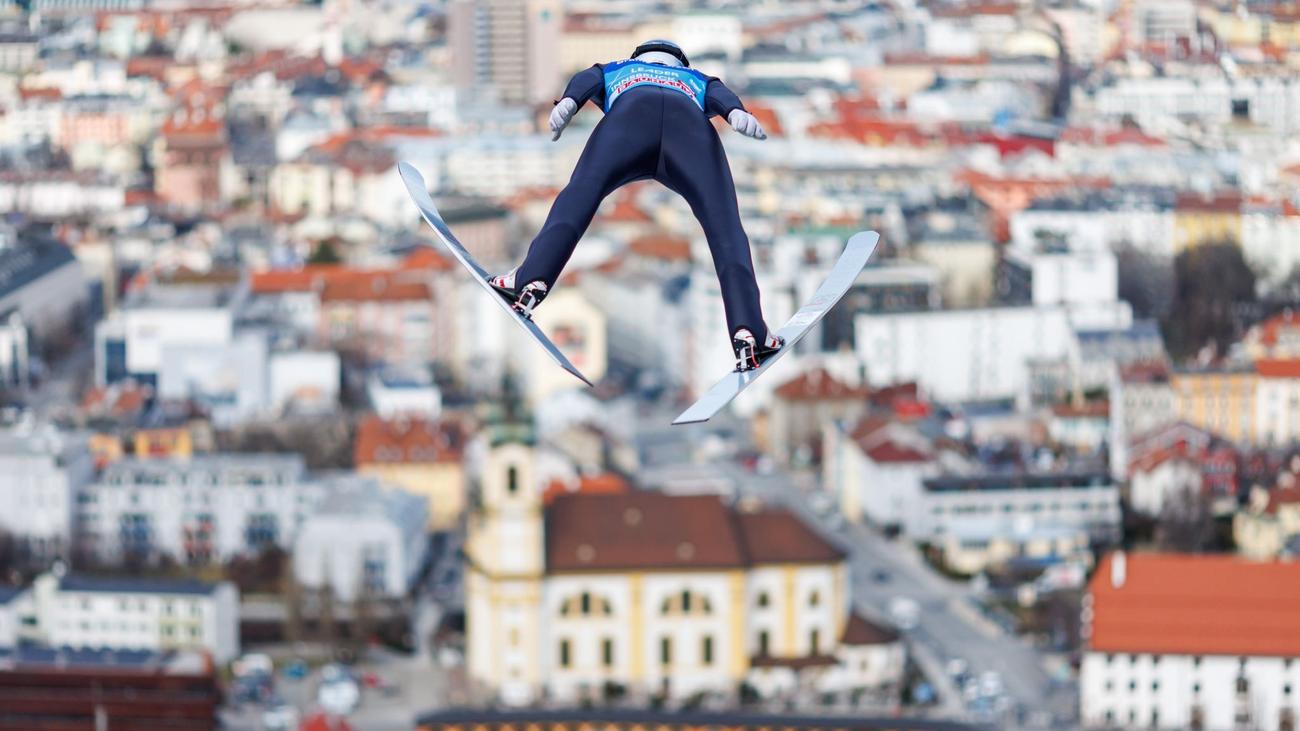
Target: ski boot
point(749, 354)
point(523, 299)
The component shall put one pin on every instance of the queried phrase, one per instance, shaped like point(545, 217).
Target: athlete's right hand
point(560, 116)
point(746, 124)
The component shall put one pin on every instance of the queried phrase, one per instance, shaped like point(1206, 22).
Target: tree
point(1211, 280)
point(1145, 281)
point(325, 253)
point(1186, 522)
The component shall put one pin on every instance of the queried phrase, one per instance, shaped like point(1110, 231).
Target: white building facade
point(1176, 641)
point(200, 510)
point(125, 613)
point(42, 472)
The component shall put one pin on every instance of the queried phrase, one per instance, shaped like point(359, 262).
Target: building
point(42, 474)
point(205, 509)
point(1222, 400)
point(421, 456)
point(1277, 401)
point(130, 343)
point(1270, 523)
point(511, 46)
point(363, 540)
point(90, 612)
point(995, 347)
point(51, 688)
point(42, 280)
point(15, 358)
point(1161, 476)
point(876, 468)
point(983, 521)
point(403, 392)
point(9, 620)
point(800, 408)
point(656, 593)
point(1141, 400)
point(1191, 641)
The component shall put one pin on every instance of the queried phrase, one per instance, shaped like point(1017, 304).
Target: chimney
point(1118, 569)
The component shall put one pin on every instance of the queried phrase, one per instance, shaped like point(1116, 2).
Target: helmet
point(668, 47)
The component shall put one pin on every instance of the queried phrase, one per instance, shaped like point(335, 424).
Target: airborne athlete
point(656, 125)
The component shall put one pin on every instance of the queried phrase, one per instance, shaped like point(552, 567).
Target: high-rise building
point(512, 46)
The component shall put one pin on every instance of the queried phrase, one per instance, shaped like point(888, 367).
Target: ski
point(420, 194)
point(846, 269)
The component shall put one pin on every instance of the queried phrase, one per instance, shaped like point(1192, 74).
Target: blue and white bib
point(624, 75)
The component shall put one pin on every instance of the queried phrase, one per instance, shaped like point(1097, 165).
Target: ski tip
point(407, 170)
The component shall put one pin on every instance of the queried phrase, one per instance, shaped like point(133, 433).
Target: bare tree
point(1186, 522)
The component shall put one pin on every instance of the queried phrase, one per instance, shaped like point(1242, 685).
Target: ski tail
point(420, 194)
point(856, 253)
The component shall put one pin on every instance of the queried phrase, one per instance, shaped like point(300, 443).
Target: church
point(594, 596)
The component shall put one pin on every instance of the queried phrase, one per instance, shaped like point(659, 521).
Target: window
point(564, 653)
point(706, 651)
point(512, 479)
point(763, 642)
point(762, 599)
point(814, 642)
point(586, 603)
point(814, 599)
point(1155, 686)
point(666, 651)
point(607, 652)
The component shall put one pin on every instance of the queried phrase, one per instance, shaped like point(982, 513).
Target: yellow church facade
point(654, 594)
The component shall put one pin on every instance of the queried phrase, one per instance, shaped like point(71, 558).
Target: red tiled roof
point(1195, 605)
point(643, 529)
point(376, 286)
point(408, 441)
point(1279, 496)
point(1221, 203)
point(324, 722)
point(426, 258)
point(668, 248)
point(1145, 372)
point(603, 484)
point(304, 279)
point(627, 211)
point(896, 453)
point(1278, 367)
point(861, 631)
point(818, 384)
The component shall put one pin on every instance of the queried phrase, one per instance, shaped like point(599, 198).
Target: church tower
point(505, 567)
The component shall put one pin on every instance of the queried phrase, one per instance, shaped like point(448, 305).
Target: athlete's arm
point(720, 100)
point(587, 85)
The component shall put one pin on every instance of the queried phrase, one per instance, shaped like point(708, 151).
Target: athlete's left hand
point(746, 124)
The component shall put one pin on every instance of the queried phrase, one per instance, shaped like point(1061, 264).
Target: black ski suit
point(663, 133)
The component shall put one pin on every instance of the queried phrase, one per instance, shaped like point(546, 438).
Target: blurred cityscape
point(270, 460)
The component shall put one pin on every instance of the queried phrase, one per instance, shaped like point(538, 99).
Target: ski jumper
point(656, 126)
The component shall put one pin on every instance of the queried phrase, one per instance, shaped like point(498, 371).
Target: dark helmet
point(668, 47)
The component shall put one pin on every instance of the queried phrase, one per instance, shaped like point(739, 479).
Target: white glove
point(746, 124)
point(560, 116)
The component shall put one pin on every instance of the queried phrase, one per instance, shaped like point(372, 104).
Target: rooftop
point(133, 585)
point(408, 441)
point(1166, 603)
point(643, 529)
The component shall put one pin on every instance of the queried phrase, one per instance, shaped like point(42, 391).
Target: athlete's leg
point(695, 166)
point(621, 149)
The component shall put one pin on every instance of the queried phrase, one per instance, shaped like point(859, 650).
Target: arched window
point(512, 479)
point(763, 600)
point(586, 604)
point(686, 603)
